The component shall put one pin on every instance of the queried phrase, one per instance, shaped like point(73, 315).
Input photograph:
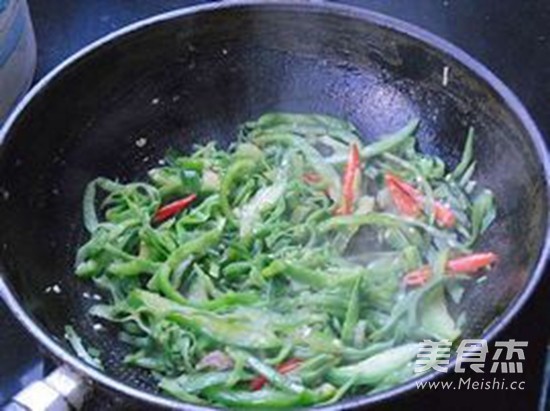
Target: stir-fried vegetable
point(90, 355)
point(295, 267)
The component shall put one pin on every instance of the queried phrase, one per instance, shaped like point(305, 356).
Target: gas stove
point(491, 31)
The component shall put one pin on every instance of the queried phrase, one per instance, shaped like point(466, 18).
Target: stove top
point(512, 38)
point(19, 370)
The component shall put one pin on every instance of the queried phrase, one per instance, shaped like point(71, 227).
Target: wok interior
point(196, 78)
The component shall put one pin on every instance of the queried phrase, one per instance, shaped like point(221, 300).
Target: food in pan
point(293, 268)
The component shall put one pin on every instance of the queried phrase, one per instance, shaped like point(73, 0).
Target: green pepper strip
point(199, 246)
point(383, 144)
point(235, 172)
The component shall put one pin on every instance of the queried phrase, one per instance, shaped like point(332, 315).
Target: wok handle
point(62, 390)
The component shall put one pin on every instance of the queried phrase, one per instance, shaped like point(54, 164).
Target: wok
point(194, 75)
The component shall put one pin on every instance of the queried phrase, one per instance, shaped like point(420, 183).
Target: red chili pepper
point(258, 382)
point(350, 181)
point(444, 215)
point(173, 208)
point(417, 277)
point(312, 178)
point(469, 264)
point(408, 201)
point(403, 195)
point(403, 186)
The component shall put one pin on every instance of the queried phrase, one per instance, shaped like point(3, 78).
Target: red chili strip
point(408, 201)
point(258, 382)
point(469, 264)
point(312, 178)
point(350, 181)
point(404, 196)
point(173, 208)
point(417, 277)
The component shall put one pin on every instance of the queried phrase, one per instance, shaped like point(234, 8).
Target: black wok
point(194, 75)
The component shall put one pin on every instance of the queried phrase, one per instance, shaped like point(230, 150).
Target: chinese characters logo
point(471, 353)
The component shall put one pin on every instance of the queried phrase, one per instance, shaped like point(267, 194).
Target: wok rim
point(510, 100)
